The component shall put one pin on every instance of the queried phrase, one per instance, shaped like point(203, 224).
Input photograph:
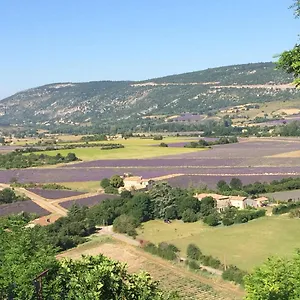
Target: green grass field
point(86, 186)
point(134, 148)
point(245, 245)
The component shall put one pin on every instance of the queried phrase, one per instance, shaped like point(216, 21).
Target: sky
point(51, 41)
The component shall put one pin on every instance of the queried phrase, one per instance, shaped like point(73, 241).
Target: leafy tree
point(24, 254)
point(171, 212)
point(236, 184)
point(140, 207)
point(212, 220)
point(289, 60)
point(189, 216)
point(278, 279)
point(71, 157)
point(104, 183)
point(223, 186)
point(193, 252)
point(164, 196)
point(188, 202)
point(126, 194)
point(208, 206)
point(111, 190)
point(116, 181)
point(125, 224)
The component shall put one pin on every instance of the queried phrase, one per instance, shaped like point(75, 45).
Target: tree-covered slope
point(111, 101)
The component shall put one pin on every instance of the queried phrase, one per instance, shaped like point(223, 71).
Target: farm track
point(42, 202)
point(78, 197)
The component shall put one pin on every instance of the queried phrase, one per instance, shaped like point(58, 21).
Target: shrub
point(193, 265)
point(164, 250)
point(125, 224)
point(116, 181)
point(189, 216)
point(233, 273)
point(163, 145)
point(227, 221)
point(158, 138)
point(295, 213)
point(211, 220)
point(105, 183)
point(126, 194)
point(193, 252)
point(210, 261)
point(111, 190)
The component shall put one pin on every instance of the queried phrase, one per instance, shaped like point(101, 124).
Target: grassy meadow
point(245, 245)
point(85, 186)
point(134, 148)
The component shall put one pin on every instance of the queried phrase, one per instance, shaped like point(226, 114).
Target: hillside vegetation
point(125, 101)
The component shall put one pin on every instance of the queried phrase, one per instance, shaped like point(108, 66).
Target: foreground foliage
point(26, 253)
point(277, 279)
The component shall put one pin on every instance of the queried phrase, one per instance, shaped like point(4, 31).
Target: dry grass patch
point(171, 277)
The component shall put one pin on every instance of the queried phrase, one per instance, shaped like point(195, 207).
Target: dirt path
point(108, 230)
point(42, 202)
point(86, 195)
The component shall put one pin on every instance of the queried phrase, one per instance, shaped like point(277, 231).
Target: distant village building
point(240, 202)
point(133, 183)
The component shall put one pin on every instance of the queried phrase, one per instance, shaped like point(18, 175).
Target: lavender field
point(186, 181)
point(55, 194)
point(251, 158)
point(18, 207)
point(89, 201)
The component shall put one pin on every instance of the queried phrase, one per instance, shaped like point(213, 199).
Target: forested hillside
point(124, 101)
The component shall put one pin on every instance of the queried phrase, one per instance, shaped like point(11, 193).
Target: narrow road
point(86, 195)
point(108, 230)
point(42, 202)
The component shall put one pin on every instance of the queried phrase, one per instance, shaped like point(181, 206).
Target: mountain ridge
point(85, 103)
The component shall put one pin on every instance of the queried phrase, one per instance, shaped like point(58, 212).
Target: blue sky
point(75, 40)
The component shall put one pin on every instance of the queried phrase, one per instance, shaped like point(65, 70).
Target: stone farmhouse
point(236, 201)
point(136, 183)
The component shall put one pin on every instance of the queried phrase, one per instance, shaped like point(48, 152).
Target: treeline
point(165, 202)
point(26, 253)
point(43, 186)
point(93, 138)
point(203, 143)
point(237, 187)
point(195, 258)
point(8, 195)
point(69, 147)
point(18, 161)
point(285, 208)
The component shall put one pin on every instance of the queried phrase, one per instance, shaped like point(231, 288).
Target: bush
point(126, 194)
point(193, 252)
point(210, 261)
point(125, 224)
point(227, 221)
point(105, 182)
point(233, 273)
point(111, 190)
point(193, 265)
point(158, 138)
point(189, 216)
point(164, 250)
point(116, 181)
point(211, 220)
point(163, 145)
